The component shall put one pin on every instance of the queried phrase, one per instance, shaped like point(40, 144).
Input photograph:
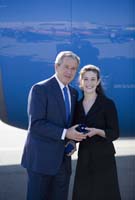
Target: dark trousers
point(48, 187)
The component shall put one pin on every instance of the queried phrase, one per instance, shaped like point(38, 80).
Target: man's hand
point(75, 135)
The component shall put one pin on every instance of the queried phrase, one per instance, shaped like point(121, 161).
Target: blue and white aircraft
point(33, 32)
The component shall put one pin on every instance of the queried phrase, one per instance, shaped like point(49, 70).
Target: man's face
point(66, 70)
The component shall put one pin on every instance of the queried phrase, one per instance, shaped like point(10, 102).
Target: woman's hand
point(95, 131)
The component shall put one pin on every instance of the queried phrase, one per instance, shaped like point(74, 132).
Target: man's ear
point(56, 66)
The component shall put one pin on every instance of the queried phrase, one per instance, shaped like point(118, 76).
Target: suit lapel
point(59, 98)
point(60, 101)
point(73, 101)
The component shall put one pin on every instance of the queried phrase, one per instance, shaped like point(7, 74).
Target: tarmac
point(13, 178)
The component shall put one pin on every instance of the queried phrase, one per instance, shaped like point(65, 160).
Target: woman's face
point(89, 82)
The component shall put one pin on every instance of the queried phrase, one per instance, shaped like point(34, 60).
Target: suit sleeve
point(39, 126)
point(111, 120)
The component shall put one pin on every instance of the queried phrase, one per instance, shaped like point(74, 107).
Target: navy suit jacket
point(44, 148)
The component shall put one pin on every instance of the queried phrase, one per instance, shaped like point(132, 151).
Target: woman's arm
point(111, 131)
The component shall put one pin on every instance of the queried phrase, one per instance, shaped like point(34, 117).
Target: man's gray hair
point(64, 54)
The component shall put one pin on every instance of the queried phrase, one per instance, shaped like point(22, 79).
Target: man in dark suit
point(48, 166)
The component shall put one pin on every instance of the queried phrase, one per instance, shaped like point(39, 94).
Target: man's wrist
point(64, 134)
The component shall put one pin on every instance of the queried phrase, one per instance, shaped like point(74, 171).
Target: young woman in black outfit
point(96, 173)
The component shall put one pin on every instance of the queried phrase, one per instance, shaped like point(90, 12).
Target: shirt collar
point(60, 83)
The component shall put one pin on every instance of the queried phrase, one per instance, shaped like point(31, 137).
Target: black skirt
point(95, 177)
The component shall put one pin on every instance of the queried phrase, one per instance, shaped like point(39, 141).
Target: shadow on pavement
point(13, 179)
